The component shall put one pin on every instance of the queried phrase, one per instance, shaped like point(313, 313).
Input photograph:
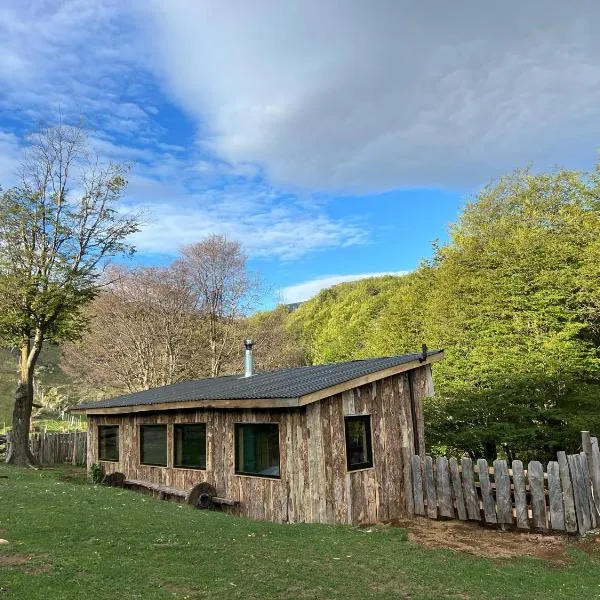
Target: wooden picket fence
point(564, 498)
point(58, 448)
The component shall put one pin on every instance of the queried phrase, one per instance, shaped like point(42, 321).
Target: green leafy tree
point(513, 298)
point(58, 228)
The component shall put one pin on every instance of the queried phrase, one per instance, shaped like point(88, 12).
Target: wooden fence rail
point(564, 498)
point(57, 448)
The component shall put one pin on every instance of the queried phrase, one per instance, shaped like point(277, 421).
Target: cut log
point(202, 495)
point(225, 501)
point(155, 488)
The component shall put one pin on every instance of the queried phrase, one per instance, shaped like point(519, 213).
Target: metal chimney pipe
point(248, 362)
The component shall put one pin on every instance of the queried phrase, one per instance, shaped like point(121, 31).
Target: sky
point(334, 139)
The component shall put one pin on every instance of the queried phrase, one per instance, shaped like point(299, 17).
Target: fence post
point(503, 498)
point(430, 488)
point(457, 490)
point(489, 506)
point(535, 475)
point(595, 469)
point(443, 488)
point(582, 506)
point(417, 486)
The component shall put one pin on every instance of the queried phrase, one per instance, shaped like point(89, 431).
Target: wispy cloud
point(268, 226)
point(307, 289)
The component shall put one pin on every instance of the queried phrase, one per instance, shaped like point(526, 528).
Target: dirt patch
point(180, 591)
point(490, 543)
point(25, 561)
point(14, 560)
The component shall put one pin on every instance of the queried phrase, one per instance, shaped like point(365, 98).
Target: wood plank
point(444, 495)
point(557, 514)
point(582, 507)
point(535, 476)
point(457, 489)
point(489, 506)
point(408, 482)
point(503, 498)
point(417, 485)
point(567, 492)
point(432, 512)
point(587, 481)
point(595, 469)
point(156, 488)
point(586, 445)
point(470, 493)
point(520, 495)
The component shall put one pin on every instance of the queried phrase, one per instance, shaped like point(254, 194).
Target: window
point(108, 442)
point(153, 445)
point(190, 446)
point(257, 449)
point(359, 454)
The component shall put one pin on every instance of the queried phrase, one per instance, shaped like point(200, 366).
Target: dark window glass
point(359, 454)
point(153, 445)
point(108, 442)
point(190, 445)
point(257, 449)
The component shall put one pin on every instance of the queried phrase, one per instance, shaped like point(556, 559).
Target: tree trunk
point(19, 453)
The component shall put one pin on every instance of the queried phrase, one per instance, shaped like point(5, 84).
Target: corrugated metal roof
point(279, 384)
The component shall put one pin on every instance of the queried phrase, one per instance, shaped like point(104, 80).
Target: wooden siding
point(315, 485)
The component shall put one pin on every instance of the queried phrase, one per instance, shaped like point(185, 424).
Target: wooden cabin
point(326, 443)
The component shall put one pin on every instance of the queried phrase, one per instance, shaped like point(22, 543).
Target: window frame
point(175, 465)
point(111, 426)
point(369, 464)
point(236, 427)
point(141, 441)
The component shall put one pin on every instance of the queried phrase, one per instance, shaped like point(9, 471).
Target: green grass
point(89, 542)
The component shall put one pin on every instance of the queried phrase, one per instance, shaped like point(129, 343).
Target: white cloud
point(390, 93)
point(307, 289)
point(64, 59)
point(264, 226)
point(73, 60)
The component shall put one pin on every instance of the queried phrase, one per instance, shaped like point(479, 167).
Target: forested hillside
point(514, 298)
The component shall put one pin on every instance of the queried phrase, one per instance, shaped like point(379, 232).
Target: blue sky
point(332, 139)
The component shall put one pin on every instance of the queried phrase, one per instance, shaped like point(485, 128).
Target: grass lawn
point(72, 540)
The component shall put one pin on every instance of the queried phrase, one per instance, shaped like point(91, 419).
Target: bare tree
point(58, 228)
point(217, 271)
point(145, 331)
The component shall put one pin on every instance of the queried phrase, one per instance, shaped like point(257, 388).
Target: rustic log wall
point(315, 485)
